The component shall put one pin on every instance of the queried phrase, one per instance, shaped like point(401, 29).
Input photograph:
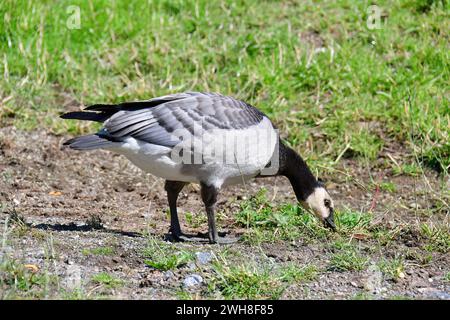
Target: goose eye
point(327, 203)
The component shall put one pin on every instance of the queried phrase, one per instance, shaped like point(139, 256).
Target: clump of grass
point(437, 238)
point(410, 169)
point(18, 281)
point(349, 220)
point(447, 277)
point(384, 235)
point(393, 268)
point(388, 186)
point(362, 295)
point(169, 262)
point(163, 256)
point(366, 145)
point(107, 280)
point(294, 273)
point(400, 297)
point(19, 225)
point(247, 279)
point(245, 282)
point(75, 294)
point(269, 223)
point(195, 220)
point(183, 294)
point(347, 258)
point(99, 251)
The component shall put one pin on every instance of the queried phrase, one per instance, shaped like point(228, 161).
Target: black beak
point(329, 221)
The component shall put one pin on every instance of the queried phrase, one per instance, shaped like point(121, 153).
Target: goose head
point(321, 204)
point(310, 193)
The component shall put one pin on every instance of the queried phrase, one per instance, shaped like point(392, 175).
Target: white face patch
point(316, 202)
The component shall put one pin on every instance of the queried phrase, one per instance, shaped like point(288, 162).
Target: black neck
point(295, 169)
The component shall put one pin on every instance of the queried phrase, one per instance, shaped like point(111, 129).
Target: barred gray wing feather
point(157, 124)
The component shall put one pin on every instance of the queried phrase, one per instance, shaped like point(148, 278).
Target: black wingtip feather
point(103, 107)
point(88, 116)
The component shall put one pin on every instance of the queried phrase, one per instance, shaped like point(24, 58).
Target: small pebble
point(191, 266)
point(192, 280)
point(168, 274)
point(203, 257)
point(414, 205)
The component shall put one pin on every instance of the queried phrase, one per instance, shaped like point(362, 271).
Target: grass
point(388, 186)
point(347, 258)
point(18, 281)
point(246, 282)
point(163, 256)
point(437, 238)
point(293, 273)
point(266, 222)
point(286, 58)
point(352, 221)
point(250, 279)
point(384, 235)
point(336, 89)
point(107, 280)
point(411, 169)
point(392, 268)
point(447, 277)
point(362, 295)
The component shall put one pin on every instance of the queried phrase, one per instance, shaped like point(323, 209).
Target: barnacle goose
point(204, 138)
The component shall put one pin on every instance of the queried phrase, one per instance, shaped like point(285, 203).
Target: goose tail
point(89, 142)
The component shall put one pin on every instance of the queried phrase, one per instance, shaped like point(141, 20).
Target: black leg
point(173, 189)
point(209, 197)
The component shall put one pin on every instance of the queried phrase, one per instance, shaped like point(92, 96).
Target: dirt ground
point(58, 193)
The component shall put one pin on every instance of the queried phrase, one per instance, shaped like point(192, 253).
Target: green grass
point(400, 297)
point(411, 169)
point(18, 282)
point(336, 90)
point(266, 222)
point(196, 220)
point(164, 256)
point(108, 280)
point(388, 186)
point(363, 86)
point(384, 235)
point(295, 273)
point(235, 278)
point(392, 268)
point(347, 258)
point(437, 238)
point(362, 295)
point(246, 282)
point(351, 221)
point(18, 277)
point(447, 277)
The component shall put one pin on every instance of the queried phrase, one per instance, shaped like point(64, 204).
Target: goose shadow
point(83, 228)
point(199, 237)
